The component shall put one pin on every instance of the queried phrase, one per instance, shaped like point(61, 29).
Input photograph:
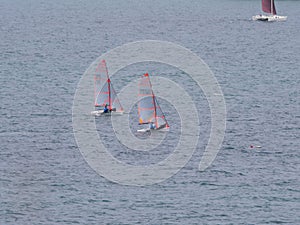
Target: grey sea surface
point(46, 46)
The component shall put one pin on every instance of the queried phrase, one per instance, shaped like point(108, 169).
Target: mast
point(273, 9)
point(109, 95)
point(95, 89)
point(155, 107)
point(108, 86)
point(153, 99)
point(272, 4)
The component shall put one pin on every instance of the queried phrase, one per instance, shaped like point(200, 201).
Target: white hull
point(101, 113)
point(269, 18)
point(96, 112)
point(165, 129)
point(143, 130)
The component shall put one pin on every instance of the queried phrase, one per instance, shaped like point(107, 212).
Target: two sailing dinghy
point(268, 6)
point(105, 94)
point(149, 111)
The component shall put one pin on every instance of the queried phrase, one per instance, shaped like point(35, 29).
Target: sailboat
point(105, 94)
point(268, 6)
point(149, 111)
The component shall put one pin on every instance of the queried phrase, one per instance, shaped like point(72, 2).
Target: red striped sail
point(148, 107)
point(100, 78)
point(104, 91)
point(108, 96)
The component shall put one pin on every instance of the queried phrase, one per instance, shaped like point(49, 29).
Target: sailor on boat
point(105, 110)
point(151, 126)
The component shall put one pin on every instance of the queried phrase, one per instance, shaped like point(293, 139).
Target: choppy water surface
point(46, 46)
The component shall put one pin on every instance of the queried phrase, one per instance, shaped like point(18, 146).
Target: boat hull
point(163, 129)
point(143, 130)
point(101, 113)
point(269, 18)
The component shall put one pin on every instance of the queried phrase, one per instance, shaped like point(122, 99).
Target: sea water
point(46, 46)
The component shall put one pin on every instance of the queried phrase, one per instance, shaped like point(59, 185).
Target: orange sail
point(100, 78)
point(105, 94)
point(148, 107)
